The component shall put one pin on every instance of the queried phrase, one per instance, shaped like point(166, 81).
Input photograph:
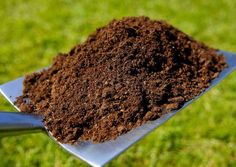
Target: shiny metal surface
point(14, 123)
point(99, 154)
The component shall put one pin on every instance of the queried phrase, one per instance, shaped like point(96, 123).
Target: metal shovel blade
point(99, 154)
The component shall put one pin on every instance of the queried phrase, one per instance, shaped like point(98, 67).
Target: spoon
point(12, 123)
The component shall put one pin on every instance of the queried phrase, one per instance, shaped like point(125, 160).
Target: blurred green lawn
point(203, 134)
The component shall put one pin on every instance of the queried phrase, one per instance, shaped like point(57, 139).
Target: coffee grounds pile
point(126, 73)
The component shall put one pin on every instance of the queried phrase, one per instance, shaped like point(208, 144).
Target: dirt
point(126, 73)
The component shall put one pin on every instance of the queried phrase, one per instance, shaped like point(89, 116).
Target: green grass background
point(32, 32)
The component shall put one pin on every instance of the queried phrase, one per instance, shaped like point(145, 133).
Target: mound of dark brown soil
point(130, 71)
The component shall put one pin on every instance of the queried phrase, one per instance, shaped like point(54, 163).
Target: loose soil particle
point(127, 73)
